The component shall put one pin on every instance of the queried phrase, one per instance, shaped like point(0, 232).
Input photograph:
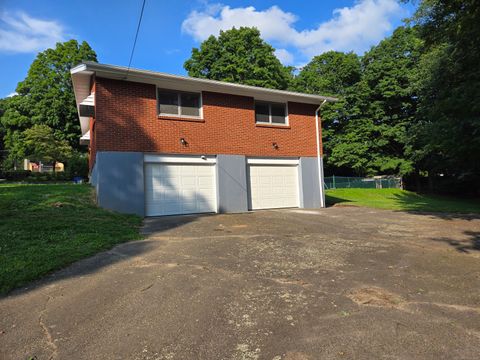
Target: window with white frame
point(270, 113)
point(179, 103)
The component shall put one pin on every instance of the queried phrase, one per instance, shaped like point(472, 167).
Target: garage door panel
point(179, 189)
point(205, 182)
point(273, 186)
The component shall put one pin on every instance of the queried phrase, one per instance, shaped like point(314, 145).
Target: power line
point(136, 36)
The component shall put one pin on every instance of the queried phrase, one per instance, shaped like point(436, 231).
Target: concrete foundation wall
point(308, 183)
point(232, 192)
point(118, 178)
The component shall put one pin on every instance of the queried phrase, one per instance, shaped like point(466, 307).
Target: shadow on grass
point(443, 207)
point(333, 200)
point(433, 206)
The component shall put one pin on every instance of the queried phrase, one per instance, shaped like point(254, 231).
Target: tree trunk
point(53, 167)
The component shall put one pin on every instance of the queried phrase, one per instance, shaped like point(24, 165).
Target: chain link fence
point(347, 182)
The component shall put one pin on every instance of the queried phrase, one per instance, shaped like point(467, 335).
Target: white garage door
point(273, 186)
point(179, 189)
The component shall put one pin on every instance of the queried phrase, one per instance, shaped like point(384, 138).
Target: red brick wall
point(126, 120)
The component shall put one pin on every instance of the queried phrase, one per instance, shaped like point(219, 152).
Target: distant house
point(40, 167)
point(163, 144)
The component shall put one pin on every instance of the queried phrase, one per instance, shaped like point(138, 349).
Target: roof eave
point(123, 73)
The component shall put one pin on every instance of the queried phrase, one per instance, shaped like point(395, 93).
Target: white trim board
point(270, 161)
point(180, 159)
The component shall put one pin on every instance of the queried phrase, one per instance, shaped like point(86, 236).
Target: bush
point(47, 176)
point(77, 166)
point(33, 177)
point(15, 175)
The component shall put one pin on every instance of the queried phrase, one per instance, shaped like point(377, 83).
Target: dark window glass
point(261, 112)
point(278, 113)
point(190, 104)
point(168, 103)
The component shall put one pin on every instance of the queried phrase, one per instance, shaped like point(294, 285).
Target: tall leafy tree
point(337, 74)
point(366, 132)
point(46, 95)
point(389, 103)
point(447, 138)
point(331, 73)
point(3, 104)
point(239, 56)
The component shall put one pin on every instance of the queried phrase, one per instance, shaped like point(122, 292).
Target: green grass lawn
point(46, 227)
point(396, 199)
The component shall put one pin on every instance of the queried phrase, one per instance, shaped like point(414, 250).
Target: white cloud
point(21, 33)
point(12, 94)
point(284, 56)
point(353, 28)
point(271, 22)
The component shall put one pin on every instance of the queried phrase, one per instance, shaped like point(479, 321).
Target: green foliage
point(3, 105)
point(45, 96)
point(239, 56)
point(40, 144)
point(15, 175)
point(366, 131)
point(446, 138)
point(77, 165)
point(47, 227)
point(331, 73)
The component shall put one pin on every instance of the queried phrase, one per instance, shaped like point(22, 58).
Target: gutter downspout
point(320, 158)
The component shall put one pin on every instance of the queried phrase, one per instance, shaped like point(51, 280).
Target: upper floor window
point(270, 113)
point(179, 103)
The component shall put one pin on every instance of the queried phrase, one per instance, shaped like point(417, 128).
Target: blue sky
point(297, 29)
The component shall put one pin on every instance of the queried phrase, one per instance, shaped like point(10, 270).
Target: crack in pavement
point(44, 327)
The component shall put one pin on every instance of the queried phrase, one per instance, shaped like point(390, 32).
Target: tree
point(46, 95)
point(3, 104)
point(41, 144)
point(331, 73)
point(446, 139)
point(366, 131)
point(389, 103)
point(337, 74)
point(239, 56)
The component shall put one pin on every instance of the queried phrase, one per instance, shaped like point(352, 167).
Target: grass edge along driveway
point(401, 200)
point(47, 227)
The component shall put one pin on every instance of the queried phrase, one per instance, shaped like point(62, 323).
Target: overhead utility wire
point(136, 36)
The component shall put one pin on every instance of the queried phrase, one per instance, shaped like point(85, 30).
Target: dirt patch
point(374, 296)
point(344, 205)
point(296, 356)
point(291, 282)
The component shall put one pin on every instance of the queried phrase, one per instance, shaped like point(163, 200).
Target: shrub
point(47, 176)
point(77, 165)
point(15, 175)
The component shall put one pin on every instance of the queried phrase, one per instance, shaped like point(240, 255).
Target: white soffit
point(89, 100)
point(85, 139)
point(81, 86)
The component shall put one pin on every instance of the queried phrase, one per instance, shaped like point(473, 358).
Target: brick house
point(163, 144)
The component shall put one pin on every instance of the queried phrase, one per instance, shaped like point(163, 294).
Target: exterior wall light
point(275, 145)
point(183, 142)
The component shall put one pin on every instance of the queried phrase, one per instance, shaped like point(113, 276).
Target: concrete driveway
point(339, 283)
